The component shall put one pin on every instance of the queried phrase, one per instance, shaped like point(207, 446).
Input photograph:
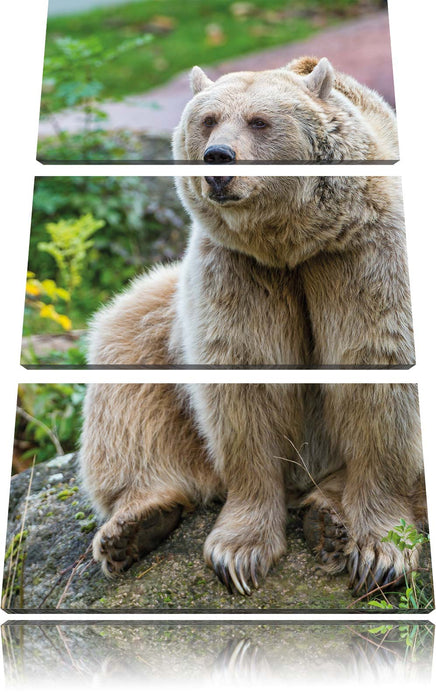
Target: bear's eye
point(258, 123)
point(209, 121)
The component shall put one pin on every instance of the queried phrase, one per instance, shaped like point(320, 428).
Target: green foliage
point(48, 304)
point(408, 599)
point(70, 68)
point(13, 551)
point(145, 224)
point(186, 34)
point(382, 604)
point(69, 82)
point(15, 558)
point(417, 594)
point(57, 406)
point(405, 536)
point(73, 356)
point(86, 146)
point(65, 494)
point(89, 525)
point(412, 640)
point(70, 241)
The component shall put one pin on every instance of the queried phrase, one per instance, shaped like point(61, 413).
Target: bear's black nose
point(219, 154)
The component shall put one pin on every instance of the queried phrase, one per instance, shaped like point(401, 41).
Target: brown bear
point(279, 271)
point(304, 112)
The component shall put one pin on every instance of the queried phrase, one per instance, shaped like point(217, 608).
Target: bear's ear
point(199, 80)
point(321, 79)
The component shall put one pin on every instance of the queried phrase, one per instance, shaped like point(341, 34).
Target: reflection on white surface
point(242, 652)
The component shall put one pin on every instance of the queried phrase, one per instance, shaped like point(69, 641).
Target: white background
point(22, 44)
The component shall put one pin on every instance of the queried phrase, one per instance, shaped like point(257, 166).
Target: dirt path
point(360, 48)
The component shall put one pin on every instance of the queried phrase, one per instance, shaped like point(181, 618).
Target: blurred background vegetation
point(48, 422)
point(188, 33)
point(120, 50)
point(89, 237)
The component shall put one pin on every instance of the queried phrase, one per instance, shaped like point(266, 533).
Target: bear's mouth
point(224, 198)
point(221, 190)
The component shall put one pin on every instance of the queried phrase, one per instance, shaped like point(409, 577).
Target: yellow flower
point(49, 311)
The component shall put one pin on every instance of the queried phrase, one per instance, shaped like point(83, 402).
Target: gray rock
point(56, 571)
point(55, 478)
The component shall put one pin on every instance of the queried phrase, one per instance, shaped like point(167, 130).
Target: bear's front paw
point(327, 537)
point(373, 564)
point(128, 536)
point(115, 546)
point(238, 559)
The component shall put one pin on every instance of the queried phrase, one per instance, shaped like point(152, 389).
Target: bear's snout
point(218, 185)
point(219, 153)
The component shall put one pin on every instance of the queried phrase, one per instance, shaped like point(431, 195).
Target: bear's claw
point(234, 574)
point(373, 564)
point(240, 559)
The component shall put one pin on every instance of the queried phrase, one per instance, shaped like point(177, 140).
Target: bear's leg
point(246, 428)
point(142, 461)
point(376, 427)
point(141, 457)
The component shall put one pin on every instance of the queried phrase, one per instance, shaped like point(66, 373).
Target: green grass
point(182, 33)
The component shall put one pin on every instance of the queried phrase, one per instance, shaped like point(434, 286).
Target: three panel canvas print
point(206, 497)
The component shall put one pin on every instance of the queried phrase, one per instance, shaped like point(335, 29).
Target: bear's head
point(304, 112)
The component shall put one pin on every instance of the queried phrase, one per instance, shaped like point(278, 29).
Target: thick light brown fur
point(311, 112)
point(278, 271)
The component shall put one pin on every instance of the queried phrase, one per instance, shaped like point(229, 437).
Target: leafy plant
point(70, 68)
point(50, 299)
point(415, 595)
point(69, 80)
point(87, 146)
point(70, 241)
point(74, 355)
point(144, 224)
point(405, 536)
